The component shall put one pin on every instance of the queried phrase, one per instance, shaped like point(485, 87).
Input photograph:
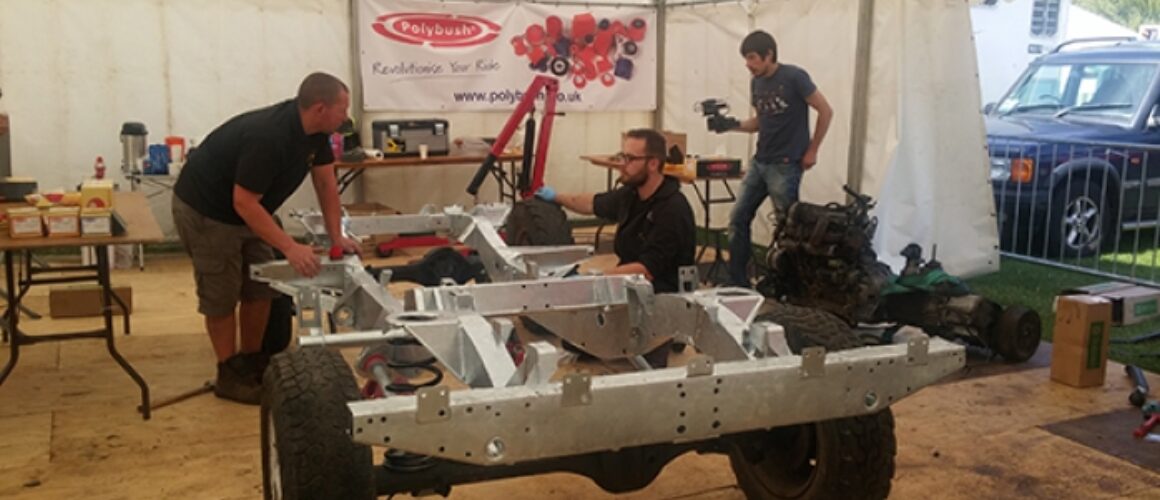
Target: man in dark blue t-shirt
point(781, 96)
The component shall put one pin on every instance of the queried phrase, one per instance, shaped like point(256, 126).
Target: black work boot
point(255, 364)
point(235, 382)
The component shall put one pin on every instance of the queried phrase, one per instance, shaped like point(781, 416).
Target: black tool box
point(403, 137)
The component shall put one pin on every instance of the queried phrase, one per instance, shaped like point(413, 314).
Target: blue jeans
point(780, 182)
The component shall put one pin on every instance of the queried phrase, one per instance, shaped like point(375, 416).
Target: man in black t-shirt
point(781, 96)
point(222, 207)
point(655, 233)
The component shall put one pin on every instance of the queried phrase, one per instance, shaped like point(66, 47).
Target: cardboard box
point(62, 222)
point(676, 146)
point(84, 300)
point(25, 222)
point(1134, 304)
point(96, 223)
point(97, 194)
point(1079, 352)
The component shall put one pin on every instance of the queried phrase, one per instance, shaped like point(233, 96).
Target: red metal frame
point(551, 87)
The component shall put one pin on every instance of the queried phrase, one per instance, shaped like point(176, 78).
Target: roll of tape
point(373, 153)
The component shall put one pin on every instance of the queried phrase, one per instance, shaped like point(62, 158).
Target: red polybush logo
point(437, 30)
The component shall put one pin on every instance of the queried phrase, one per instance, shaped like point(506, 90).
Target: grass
point(1035, 286)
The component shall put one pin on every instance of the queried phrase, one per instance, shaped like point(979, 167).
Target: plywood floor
point(68, 427)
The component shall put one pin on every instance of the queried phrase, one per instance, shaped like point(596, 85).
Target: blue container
point(158, 160)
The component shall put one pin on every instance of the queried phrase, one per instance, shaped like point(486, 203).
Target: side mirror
point(988, 108)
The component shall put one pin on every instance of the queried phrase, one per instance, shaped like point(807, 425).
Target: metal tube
point(352, 339)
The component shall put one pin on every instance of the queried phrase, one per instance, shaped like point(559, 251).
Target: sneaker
point(234, 384)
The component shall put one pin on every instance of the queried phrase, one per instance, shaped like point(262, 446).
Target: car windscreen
point(1107, 92)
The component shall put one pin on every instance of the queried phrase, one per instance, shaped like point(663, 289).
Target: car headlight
point(1000, 169)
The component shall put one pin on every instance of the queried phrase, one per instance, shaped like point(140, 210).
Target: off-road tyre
point(846, 458)
point(307, 451)
point(536, 222)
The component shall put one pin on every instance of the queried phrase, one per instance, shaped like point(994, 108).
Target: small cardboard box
point(676, 146)
point(97, 194)
point(62, 222)
point(25, 222)
point(96, 223)
point(84, 300)
point(1134, 304)
point(1079, 351)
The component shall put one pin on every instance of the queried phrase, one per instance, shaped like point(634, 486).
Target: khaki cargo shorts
point(222, 254)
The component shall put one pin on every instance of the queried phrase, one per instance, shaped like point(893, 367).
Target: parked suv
point(1074, 148)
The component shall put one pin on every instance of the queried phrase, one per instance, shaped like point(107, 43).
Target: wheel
point(536, 222)
point(1080, 219)
point(1017, 333)
point(847, 458)
point(807, 326)
point(307, 451)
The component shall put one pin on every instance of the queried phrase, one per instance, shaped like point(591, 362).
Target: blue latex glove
point(546, 193)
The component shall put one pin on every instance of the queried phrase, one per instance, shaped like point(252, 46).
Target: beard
point(633, 181)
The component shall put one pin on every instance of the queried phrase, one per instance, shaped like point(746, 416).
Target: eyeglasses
point(625, 158)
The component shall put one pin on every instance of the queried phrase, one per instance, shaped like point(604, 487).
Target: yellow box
point(96, 223)
point(62, 222)
point(97, 194)
point(25, 222)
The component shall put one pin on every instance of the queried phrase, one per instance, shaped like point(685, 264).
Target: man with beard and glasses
point(222, 207)
point(655, 234)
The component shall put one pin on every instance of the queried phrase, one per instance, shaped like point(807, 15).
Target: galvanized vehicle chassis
point(743, 378)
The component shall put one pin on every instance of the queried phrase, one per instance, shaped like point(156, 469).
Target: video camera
point(714, 111)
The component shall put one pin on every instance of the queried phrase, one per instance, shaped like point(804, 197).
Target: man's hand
point(303, 260)
point(809, 159)
point(350, 246)
point(546, 193)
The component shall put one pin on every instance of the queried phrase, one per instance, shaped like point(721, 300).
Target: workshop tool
point(1140, 390)
point(714, 110)
point(204, 389)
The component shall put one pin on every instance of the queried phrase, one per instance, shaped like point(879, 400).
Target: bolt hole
point(358, 431)
point(682, 414)
point(467, 454)
point(383, 420)
point(716, 391)
point(527, 405)
point(680, 386)
point(680, 429)
point(682, 395)
point(716, 424)
point(387, 439)
point(498, 414)
point(442, 449)
point(488, 408)
point(720, 381)
point(470, 409)
point(442, 413)
point(715, 410)
point(527, 430)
